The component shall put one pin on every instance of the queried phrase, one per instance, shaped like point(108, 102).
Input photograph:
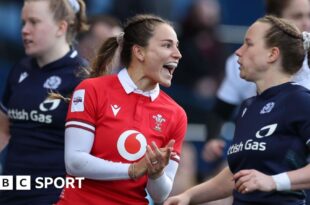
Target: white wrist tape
point(283, 182)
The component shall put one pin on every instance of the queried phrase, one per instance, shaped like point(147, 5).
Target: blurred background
point(234, 17)
point(208, 30)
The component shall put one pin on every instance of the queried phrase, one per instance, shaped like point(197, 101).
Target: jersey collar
point(59, 63)
point(129, 86)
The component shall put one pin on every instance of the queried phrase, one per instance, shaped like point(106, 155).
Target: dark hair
point(62, 10)
point(288, 39)
point(276, 7)
point(137, 31)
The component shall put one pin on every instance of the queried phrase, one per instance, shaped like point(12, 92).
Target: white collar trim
point(129, 86)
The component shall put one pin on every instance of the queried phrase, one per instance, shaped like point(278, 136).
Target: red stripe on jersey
point(79, 123)
point(175, 158)
point(81, 127)
point(79, 120)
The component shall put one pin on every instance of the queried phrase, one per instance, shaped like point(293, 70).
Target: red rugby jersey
point(123, 122)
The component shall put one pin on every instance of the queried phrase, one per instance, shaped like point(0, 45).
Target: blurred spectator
point(200, 70)
point(197, 78)
point(101, 28)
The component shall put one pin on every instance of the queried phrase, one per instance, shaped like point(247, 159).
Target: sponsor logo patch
point(78, 101)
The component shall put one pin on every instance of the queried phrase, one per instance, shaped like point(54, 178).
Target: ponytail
point(103, 63)
point(81, 24)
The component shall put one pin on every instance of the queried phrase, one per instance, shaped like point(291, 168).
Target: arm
point(300, 178)
point(160, 188)
point(228, 98)
point(161, 170)
point(214, 146)
point(221, 112)
point(252, 180)
point(79, 161)
point(207, 191)
point(4, 130)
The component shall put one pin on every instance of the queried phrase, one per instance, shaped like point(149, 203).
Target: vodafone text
point(23, 182)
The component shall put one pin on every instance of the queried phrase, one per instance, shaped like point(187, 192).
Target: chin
point(165, 84)
point(244, 77)
point(30, 53)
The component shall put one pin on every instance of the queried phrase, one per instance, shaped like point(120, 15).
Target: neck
point(137, 75)
point(57, 52)
point(271, 81)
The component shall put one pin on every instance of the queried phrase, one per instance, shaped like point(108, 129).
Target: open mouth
point(170, 66)
point(27, 42)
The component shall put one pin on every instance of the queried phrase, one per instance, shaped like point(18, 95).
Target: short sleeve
point(82, 108)
point(299, 118)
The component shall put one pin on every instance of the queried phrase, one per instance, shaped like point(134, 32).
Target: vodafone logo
point(131, 145)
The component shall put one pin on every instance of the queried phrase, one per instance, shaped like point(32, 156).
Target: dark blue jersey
point(36, 146)
point(272, 136)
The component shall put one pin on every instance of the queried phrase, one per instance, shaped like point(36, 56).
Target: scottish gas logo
point(25, 182)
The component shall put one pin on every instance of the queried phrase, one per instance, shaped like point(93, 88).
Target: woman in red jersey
point(123, 134)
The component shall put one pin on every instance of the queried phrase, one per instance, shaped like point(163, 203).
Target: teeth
point(171, 65)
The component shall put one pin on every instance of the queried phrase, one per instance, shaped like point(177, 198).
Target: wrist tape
point(283, 182)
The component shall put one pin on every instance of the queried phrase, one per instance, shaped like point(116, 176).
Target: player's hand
point(158, 158)
point(213, 150)
point(140, 168)
point(181, 199)
point(250, 180)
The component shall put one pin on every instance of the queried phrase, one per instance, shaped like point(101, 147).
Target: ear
point(138, 52)
point(62, 28)
point(273, 55)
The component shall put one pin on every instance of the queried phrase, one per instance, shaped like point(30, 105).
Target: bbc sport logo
point(23, 182)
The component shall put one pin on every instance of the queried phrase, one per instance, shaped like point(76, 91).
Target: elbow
point(74, 165)
point(70, 170)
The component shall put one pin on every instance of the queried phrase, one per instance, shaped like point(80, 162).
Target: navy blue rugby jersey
point(272, 135)
point(37, 123)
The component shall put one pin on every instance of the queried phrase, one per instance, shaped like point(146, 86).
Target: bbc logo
point(21, 182)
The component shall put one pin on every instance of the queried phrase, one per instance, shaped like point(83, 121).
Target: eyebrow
point(170, 41)
point(31, 18)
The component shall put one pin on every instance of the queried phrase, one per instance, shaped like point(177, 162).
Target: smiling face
point(161, 55)
point(298, 11)
point(253, 54)
point(39, 31)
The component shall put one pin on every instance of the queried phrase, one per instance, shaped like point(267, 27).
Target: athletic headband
point(75, 5)
point(306, 40)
